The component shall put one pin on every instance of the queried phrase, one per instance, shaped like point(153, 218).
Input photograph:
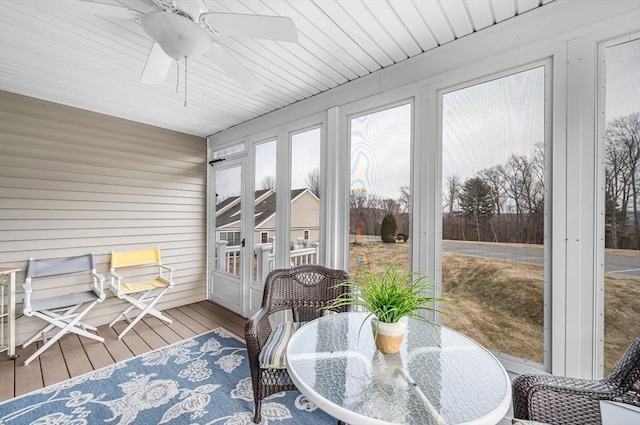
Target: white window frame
point(323, 204)
point(383, 102)
point(264, 237)
point(601, 200)
point(513, 363)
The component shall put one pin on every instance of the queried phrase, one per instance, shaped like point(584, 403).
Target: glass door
point(228, 240)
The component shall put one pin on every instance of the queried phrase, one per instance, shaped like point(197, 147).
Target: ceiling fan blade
point(86, 7)
point(235, 69)
point(279, 28)
point(157, 66)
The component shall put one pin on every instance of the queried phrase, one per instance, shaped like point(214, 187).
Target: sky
point(381, 151)
point(484, 124)
point(623, 79)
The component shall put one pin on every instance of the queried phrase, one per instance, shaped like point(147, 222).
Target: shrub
point(388, 229)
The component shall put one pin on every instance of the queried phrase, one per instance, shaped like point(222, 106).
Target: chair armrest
point(116, 275)
point(98, 285)
point(630, 397)
point(114, 283)
point(555, 399)
point(162, 267)
point(256, 332)
point(27, 310)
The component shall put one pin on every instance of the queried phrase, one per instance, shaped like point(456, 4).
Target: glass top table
point(438, 377)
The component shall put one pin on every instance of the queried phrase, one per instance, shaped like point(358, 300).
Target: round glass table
point(438, 377)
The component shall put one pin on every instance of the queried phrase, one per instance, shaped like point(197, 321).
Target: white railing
point(228, 258)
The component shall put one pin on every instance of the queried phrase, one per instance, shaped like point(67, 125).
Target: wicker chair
point(301, 290)
point(559, 400)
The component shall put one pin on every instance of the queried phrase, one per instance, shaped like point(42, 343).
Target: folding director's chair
point(62, 311)
point(142, 295)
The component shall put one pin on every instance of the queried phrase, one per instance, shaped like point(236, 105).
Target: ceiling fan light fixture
point(178, 36)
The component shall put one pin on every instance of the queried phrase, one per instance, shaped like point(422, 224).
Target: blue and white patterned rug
point(202, 380)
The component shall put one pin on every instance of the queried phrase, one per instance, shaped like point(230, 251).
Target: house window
point(620, 202)
point(305, 235)
point(232, 237)
point(494, 203)
point(264, 237)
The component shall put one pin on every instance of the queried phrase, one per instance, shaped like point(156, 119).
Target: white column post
point(262, 261)
point(221, 247)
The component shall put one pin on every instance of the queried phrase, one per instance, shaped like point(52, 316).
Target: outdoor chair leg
point(258, 415)
point(122, 315)
point(72, 326)
point(42, 334)
point(146, 309)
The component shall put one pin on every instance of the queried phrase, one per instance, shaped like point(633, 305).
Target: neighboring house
point(305, 218)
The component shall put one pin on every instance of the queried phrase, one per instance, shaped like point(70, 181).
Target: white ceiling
point(95, 63)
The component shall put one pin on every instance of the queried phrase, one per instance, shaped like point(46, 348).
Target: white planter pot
point(388, 336)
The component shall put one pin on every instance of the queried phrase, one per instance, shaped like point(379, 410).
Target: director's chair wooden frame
point(142, 295)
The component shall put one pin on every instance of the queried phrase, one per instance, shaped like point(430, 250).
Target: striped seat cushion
point(274, 352)
point(132, 288)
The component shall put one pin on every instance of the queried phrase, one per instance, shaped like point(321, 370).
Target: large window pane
point(493, 213)
point(264, 225)
point(305, 197)
point(622, 197)
point(380, 172)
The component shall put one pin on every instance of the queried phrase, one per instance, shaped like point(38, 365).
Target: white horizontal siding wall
point(74, 182)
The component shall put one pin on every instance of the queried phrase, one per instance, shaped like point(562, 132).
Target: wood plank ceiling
point(94, 63)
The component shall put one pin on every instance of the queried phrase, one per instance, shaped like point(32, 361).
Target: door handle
point(242, 243)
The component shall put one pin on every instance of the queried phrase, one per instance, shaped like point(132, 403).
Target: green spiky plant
point(388, 296)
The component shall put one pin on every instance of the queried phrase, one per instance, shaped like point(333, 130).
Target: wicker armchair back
point(559, 400)
point(301, 290)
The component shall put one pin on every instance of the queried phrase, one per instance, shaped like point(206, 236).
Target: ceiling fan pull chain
point(185, 81)
point(177, 76)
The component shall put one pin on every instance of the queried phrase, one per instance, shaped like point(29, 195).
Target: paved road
point(614, 264)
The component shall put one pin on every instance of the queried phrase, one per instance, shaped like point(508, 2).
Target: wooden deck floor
point(73, 355)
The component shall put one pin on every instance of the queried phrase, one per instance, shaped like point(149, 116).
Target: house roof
point(76, 58)
point(265, 207)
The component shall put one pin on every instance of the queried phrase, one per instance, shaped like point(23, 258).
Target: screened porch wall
point(566, 37)
point(74, 182)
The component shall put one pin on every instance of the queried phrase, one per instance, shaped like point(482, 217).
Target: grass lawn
point(500, 304)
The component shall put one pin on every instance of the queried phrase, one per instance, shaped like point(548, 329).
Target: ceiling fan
point(183, 29)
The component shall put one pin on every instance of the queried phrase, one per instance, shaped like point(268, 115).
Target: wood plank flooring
point(73, 355)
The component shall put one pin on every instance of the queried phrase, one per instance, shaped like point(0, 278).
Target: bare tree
point(623, 169)
point(452, 193)
point(495, 180)
point(615, 187)
point(390, 206)
point(405, 199)
point(269, 182)
point(357, 204)
point(313, 182)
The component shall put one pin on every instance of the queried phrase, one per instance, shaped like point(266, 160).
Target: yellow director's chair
point(130, 281)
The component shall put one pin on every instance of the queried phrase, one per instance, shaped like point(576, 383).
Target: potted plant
point(388, 297)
